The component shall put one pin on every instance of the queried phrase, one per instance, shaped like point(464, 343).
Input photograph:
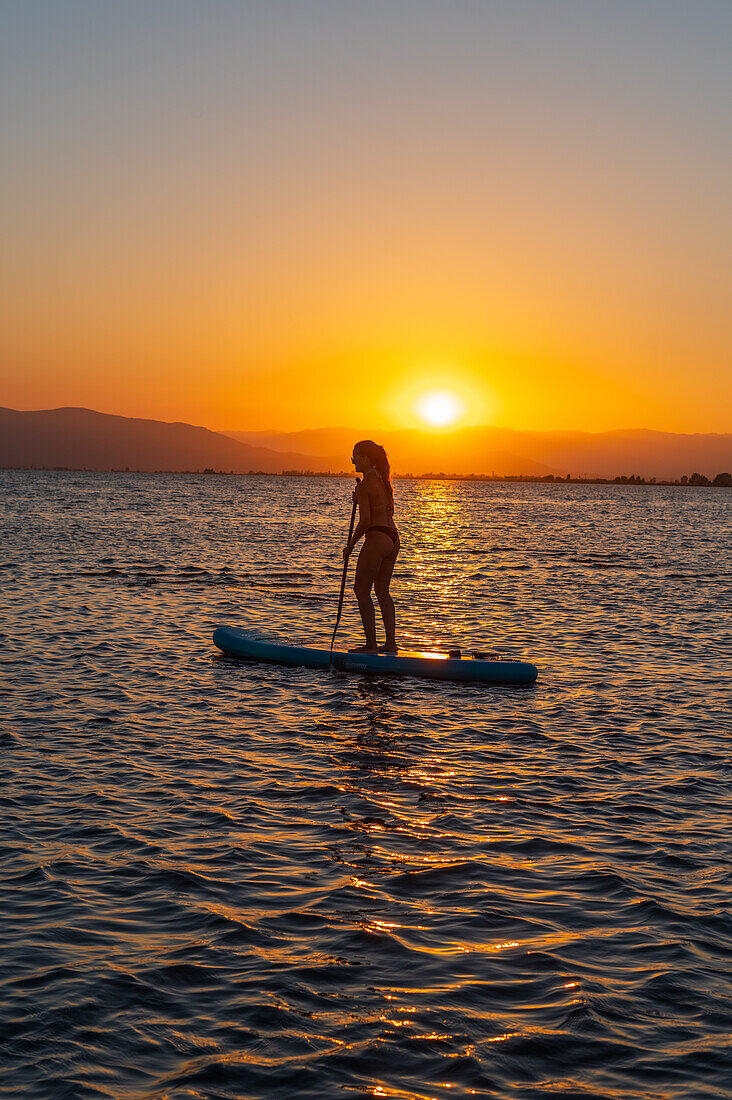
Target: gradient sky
point(283, 214)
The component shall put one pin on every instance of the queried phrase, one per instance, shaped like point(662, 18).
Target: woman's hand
point(347, 551)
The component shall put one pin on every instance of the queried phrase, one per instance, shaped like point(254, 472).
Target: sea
point(222, 879)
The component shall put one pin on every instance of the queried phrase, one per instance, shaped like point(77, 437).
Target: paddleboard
point(433, 666)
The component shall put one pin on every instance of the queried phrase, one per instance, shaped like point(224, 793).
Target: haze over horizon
point(316, 428)
point(275, 217)
point(74, 438)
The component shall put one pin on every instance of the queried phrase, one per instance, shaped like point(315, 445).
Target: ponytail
point(377, 457)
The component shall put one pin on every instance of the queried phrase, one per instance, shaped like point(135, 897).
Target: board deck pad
point(235, 642)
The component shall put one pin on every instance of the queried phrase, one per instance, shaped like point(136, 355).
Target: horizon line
point(437, 432)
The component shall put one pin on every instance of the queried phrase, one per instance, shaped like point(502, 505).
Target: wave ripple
point(228, 880)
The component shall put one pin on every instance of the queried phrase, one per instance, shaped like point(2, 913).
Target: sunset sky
point(281, 214)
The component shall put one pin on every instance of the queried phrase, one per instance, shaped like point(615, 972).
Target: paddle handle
point(345, 571)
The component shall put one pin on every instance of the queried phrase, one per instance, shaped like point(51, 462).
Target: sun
point(438, 408)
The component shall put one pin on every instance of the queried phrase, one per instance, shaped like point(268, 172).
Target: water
point(222, 880)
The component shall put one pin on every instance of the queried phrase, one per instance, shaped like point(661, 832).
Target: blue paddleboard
point(434, 666)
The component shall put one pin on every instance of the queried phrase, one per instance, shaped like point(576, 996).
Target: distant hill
point(409, 451)
point(86, 440)
point(83, 439)
point(663, 455)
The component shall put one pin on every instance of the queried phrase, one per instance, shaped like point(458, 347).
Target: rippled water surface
point(233, 880)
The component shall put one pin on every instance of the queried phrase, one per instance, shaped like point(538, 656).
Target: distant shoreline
point(79, 439)
point(721, 481)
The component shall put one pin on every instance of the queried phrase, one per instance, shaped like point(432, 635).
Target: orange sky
point(248, 223)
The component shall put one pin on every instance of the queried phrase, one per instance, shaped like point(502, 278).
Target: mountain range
point(81, 439)
point(77, 438)
point(503, 451)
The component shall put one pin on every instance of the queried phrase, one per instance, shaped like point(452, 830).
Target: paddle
point(345, 571)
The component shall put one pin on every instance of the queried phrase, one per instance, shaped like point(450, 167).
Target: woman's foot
point(386, 648)
point(363, 649)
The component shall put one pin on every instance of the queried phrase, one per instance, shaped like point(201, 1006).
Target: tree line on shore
point(722, 480)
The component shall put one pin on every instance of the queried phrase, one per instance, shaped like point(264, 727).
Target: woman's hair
point(377, 457)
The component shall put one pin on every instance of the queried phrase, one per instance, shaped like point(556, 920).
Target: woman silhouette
point(378, 554)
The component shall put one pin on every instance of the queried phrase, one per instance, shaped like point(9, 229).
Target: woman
point(381, 544)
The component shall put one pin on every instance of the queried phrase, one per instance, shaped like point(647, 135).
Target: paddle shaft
point(345, 571)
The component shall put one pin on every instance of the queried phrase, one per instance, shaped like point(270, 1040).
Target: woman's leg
point(367, 570)
point(383, 595)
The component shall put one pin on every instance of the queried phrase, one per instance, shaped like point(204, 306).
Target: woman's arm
point(364, 519)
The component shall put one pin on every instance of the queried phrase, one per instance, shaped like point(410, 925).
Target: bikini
point(390, 531)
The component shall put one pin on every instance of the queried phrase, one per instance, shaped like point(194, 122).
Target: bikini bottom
point(393, 535)
point(390, 531)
